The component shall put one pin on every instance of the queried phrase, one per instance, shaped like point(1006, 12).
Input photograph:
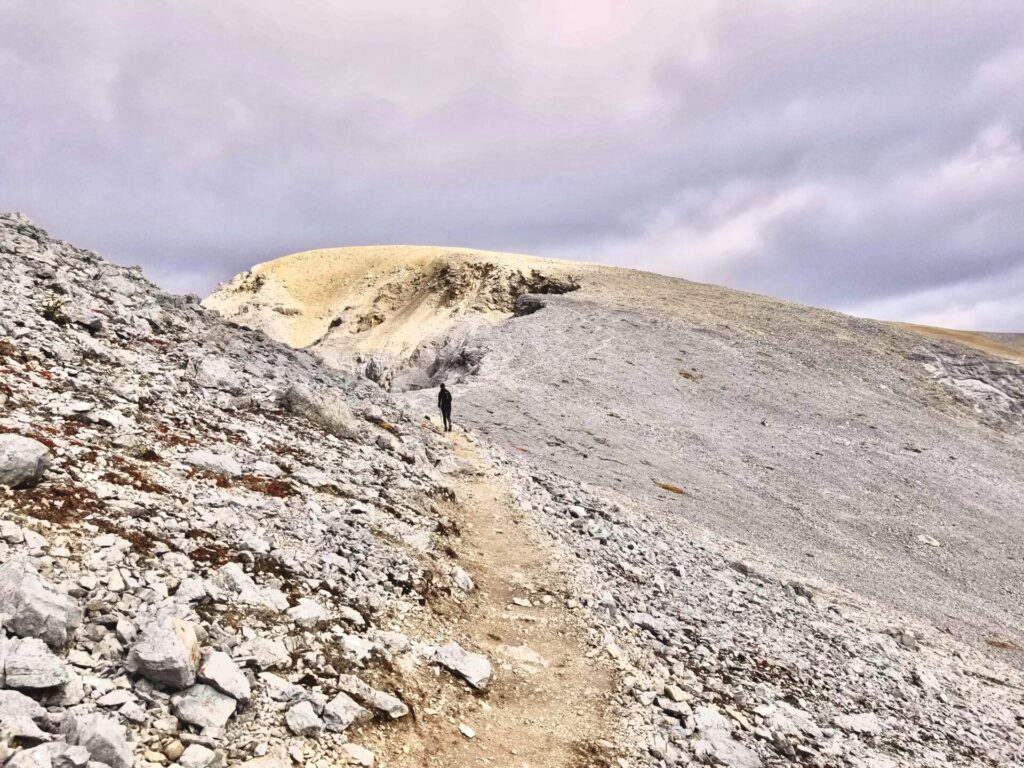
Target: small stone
point(174, 749)
point(357, 755)
point(197, 756)
point(466, 731)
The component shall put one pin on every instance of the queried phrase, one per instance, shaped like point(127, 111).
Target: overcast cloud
point(861, 155)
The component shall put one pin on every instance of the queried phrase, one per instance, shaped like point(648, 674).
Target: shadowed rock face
point(825, 444)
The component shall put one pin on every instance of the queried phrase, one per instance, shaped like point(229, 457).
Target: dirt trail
point(547, 706)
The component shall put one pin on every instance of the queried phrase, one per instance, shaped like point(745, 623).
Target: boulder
point(166, 651)
point(18, 714)
point(302, 719)
point(103, 737)
point(29, 663)
point(203, 706)
point(22, 460)
point(342, 712)
point(326, 408)
point(30, 607)
point(472, 667)
point(219, 670)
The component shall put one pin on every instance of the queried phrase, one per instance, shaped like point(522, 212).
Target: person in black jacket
point(444, 402)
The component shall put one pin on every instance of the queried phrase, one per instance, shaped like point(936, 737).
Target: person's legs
point(447, 414)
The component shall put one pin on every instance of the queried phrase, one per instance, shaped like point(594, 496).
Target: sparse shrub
point(53, 309)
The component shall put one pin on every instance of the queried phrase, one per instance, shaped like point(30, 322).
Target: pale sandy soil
point(988, 343)
point(548, 705)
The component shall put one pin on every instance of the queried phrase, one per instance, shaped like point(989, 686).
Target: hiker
point(444, 402)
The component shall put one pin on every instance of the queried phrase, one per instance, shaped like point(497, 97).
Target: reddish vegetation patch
point(1003, 645)
point(670, 488)
point(58, 504)
point(212, 554)
point(269, 487)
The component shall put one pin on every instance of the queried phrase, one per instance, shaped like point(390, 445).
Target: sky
point(863, 155)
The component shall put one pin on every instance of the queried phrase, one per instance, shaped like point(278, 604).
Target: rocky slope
point(787, 515)
point(213, 549)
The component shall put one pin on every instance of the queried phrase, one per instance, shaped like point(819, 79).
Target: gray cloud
point(857, 155)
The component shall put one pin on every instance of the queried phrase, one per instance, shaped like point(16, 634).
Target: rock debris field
point(217, 550)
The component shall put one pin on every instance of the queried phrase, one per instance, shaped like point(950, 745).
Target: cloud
point(857, 155)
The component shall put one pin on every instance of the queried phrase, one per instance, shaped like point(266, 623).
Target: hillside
point(217, 550)
point(874, 465)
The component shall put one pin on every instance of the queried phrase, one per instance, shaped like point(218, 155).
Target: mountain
point(216, 549)
point(821, 443)
point(877, 464)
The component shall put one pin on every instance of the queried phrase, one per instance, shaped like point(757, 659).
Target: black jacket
point(444, 400)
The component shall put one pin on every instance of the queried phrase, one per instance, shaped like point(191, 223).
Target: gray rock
point(307, 613)
point(365, 694)
point(215, 372)
point(29, 607)
point(104, 738)
point(325, 407)
point(219, 670)
point(232, 578)
point(23, 461)
point(166, 651)
point(472, 667)
point(863, 722)
point(29, 663)
point(56, 754)
point(357, 755)
point(716, 743)
point(217, 463)
point(342, 712)
point(204, 706)
point(462, 579)
point(280, 689)
point(197, 756)
point(302, 719)
point(266, 652)
point(18, 714)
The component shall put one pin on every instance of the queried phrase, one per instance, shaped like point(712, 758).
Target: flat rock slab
point(472, 667)
point(33, 608)
point(29, 664)
point(203, 706)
